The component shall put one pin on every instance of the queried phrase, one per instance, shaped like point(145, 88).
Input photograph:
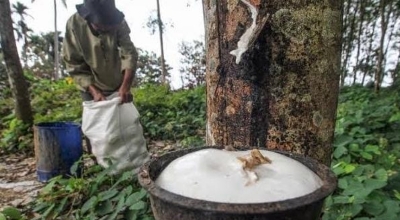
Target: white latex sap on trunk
point(243, 44)
point(218, 176)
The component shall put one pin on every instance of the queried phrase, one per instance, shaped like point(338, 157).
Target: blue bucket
point(58, 145)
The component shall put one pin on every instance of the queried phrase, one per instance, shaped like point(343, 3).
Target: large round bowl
point(170, 206)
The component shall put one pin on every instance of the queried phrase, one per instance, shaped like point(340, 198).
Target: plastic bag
point(115, 133)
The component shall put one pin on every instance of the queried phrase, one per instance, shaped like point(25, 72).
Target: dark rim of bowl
point(147, 176)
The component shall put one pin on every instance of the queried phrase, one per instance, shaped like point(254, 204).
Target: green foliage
point(168, 115)
point(55, 101)
point(362, 29)
point(153, 23)
point(366, 156)
point(11, 213)
point(193, 63)
point(149, 68)
point(16, 135)
point(96, 195)
point(51, 101)
point(42, 53)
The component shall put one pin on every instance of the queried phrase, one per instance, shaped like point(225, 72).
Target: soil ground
point(18, 180)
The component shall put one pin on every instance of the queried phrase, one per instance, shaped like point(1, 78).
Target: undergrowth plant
point(11, 213)
point(51, 101)
point(172, 115)
point(165, 115)
point(95, 195)
point(366, 156)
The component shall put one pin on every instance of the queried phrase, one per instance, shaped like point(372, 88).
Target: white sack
point(115, 134)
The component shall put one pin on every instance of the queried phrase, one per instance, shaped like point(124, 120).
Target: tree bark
point(391, 19)
point(56, 53)
point(369, 54)
point(346, 4)
point(381, 53)
point(16, 77)
point(349, 42)
point(359, 35)
point(283, 92)
point(396, 71)
point(160, 28)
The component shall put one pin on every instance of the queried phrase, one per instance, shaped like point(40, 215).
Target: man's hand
point(125, 94)
point(96, 93)
point(125, 90)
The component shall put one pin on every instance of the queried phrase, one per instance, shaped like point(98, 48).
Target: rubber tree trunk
point(281, 92)
point(15, 74)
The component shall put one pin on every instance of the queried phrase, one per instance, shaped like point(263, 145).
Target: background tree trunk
point(18, 84)
point(359, 35)
point(283, 93)
point(349, 40)
point(160, 28)
point(396, 71)
point(369, 55)
point(56, 53)
point(385, 19)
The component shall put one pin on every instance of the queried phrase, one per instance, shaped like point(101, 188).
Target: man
point(98, 51)
point(101, 59)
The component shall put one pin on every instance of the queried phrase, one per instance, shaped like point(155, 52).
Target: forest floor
point(18, 185)
point(18, 179)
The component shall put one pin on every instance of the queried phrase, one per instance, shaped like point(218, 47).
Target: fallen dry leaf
point(168, 147)
point(17, 202)
point(159, 143)
point(255, 159)
point(250, 162)
point(25, 173)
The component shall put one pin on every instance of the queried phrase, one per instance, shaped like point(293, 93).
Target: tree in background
point(43, 55)
point(193, 70)
point(160, 31)
point(149, 68)
point(277, 87)
point(16, 77)
point(395, 72)
point(154, 23)
point(3, 74)
point(371, 32)
point(56, 40)
point(22, 28)
point(386, 9)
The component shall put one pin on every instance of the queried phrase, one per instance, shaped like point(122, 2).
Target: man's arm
point(76, 65)
point(129, 57)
